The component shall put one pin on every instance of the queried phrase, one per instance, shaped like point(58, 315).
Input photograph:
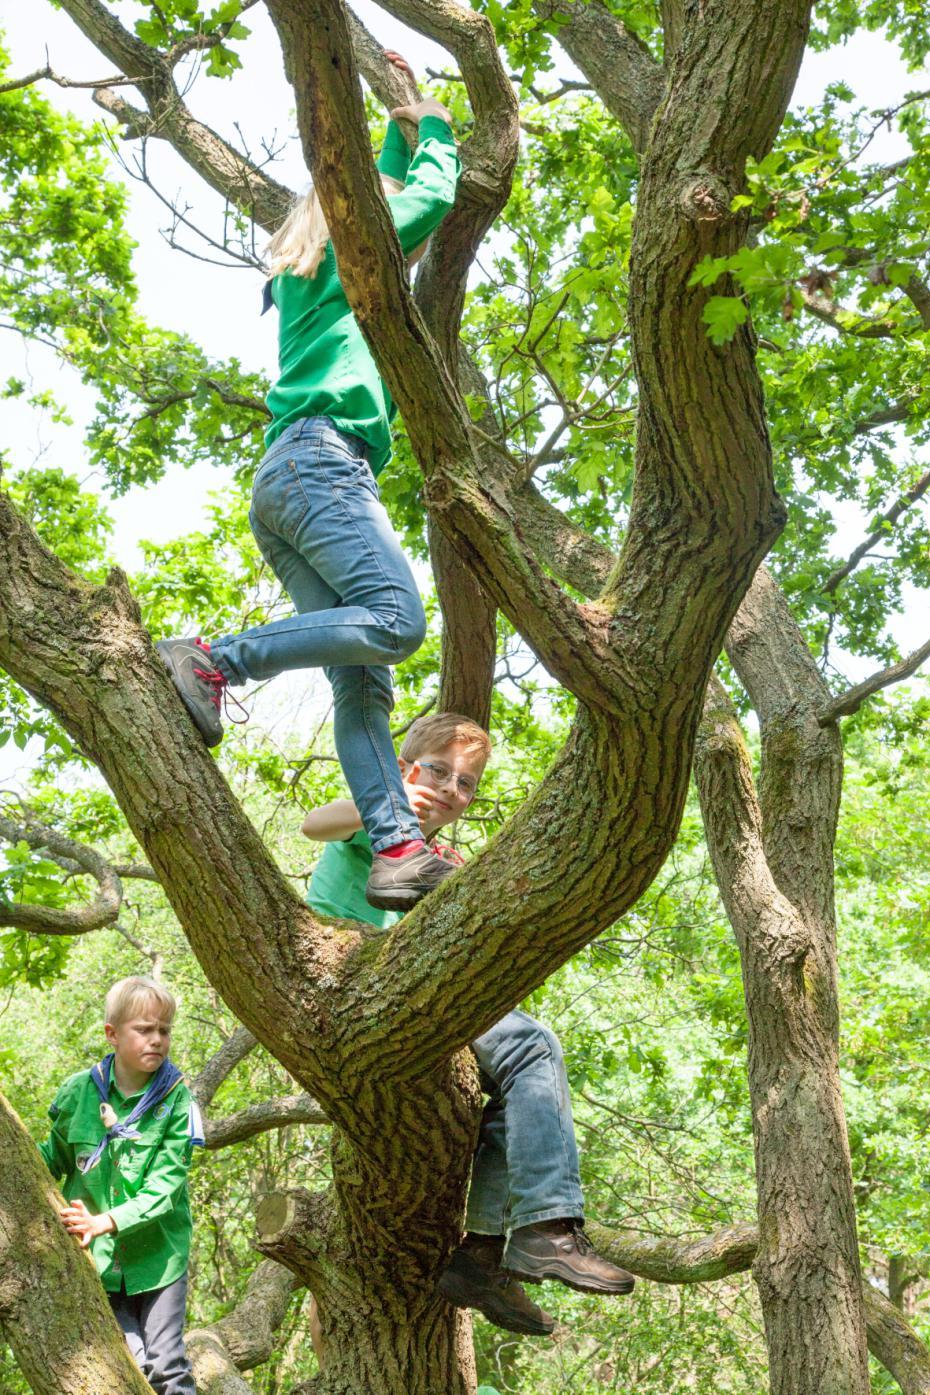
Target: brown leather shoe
point(560, 1250)
point(474, 1278)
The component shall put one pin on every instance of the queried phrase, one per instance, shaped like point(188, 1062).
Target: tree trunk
point(372, 1247)
point(53, 1310)
point(775, 872)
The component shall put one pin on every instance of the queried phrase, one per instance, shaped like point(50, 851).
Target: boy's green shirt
point(326, 368)
point(337, 886)
point(143, 1184)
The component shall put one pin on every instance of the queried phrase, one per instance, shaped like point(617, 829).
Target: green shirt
point(337, 886)
point(142, 1184)
point(326, 368)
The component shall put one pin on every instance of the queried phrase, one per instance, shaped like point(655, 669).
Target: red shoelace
point(220, 695)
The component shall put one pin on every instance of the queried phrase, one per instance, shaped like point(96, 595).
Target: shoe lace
point(582, 1243)
point(220, 695)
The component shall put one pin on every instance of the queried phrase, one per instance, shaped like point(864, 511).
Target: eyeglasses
point(442, 775)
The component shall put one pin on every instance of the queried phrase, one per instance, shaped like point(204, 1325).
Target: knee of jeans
point(410, 629)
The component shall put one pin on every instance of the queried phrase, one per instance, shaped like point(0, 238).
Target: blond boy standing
point(122, 1137)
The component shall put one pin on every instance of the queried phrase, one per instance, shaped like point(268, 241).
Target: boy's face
point(444, 783)
point(141, 1042)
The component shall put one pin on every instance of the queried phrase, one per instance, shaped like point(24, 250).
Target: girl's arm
point(431, 179)
point(394, 160)
point(333, 822)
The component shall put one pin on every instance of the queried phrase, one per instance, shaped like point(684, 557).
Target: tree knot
point(705, 198)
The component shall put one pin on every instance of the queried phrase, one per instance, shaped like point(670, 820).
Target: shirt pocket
point(135, 1161)
point(83, 1142)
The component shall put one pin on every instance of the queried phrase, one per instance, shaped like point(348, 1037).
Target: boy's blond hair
point(128, 996)
point(434, 732)
point(300, 243)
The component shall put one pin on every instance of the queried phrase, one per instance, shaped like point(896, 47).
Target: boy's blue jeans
point(321, 527)
point(526, 1163)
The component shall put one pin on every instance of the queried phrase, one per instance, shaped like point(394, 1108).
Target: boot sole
point(396, 901)
point(212, 736)
point(463, 1295)
point(567, 1276)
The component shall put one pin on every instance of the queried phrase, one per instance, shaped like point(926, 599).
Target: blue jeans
point(526, 1162)
point(153, 1324)
point(323, 530)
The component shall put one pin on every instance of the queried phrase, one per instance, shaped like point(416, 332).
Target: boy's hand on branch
point(428, 107)
point(84, 1226)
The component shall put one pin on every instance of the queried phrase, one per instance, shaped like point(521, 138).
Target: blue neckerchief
point(159, 1087)
point(267, 300)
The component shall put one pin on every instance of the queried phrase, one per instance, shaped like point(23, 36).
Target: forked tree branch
point(167, 117)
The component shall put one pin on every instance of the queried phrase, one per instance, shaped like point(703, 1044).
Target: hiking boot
point(398, 883)
point(474, 1278)
point(199, 681)
point(560, 1250)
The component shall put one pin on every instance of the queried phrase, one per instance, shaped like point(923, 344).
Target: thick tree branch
point(802, 762)
point(884, 523)
point(668, 1260)
point(732, 1251)
point(617, 64)
point(886, 416)
point(245, 1337)
point(849, 702)
point(167, 117)
point(261, 1118)
point(68, 920)
point(234, 1049)
point(469, 635)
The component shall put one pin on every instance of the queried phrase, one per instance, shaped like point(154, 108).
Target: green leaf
point(723, 315)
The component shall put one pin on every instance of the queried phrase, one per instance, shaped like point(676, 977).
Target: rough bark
point(469, 635)
point(615, 61)
point(773, 859)
point(53, 1311)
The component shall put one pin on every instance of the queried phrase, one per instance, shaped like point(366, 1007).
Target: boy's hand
point(83, 1226)
point(428, 107)
point(422, 797)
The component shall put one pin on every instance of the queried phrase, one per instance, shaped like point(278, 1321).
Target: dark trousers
point(154, 1326)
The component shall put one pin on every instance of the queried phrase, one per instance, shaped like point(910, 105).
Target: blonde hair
point(130, 994)
point(440, 729)
point(299, 245)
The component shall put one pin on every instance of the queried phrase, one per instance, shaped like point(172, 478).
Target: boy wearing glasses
point(525, 1206)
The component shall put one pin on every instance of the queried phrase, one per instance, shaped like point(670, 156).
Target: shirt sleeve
point(56, 1150)
point(430, 187)
point(394, 160)
point(164, 1183)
